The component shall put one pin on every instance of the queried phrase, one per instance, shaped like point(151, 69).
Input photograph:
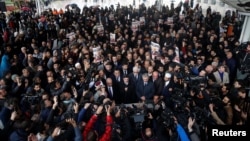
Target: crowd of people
point(61, 77)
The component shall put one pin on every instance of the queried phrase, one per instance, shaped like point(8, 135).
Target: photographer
point(148, 132)
point(122, 128)
point(174, 129)
point(159, 106)
point(243, 54)
point(58, 133)
point(9, 126)
point(89, 134)
point(242, 108)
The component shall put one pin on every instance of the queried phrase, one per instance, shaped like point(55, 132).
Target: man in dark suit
point(115, 63)
point(113, 91)
point(158, 83)
point(108, 69)
point(116, 77)
point(145, 89)
point(127, 91)
point(135, 76)
point(168, 87)
point(124, 69)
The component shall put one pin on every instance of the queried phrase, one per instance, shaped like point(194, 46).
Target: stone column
point(245, 34)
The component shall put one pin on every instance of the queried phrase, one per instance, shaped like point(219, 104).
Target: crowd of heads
point(61, 69)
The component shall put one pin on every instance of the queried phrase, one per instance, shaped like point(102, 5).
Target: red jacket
point(108, 130)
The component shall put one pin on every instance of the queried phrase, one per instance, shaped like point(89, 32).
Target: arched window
point(222, 4)
point(213, 2)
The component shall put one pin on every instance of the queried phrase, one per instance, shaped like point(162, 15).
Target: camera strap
point(245, 57)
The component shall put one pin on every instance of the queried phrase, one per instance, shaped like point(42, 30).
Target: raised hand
point(99, 110)
point(86, 106)
point(108, 109)
point(71, 121)
point(76, 107)
point(191, 122)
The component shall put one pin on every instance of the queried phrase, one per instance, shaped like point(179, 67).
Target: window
point(213, 2)
point(222, 4)
point(205, 1)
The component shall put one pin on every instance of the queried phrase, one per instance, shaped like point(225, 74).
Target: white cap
point(15, 34)
point(77, 65)
point(168, 75)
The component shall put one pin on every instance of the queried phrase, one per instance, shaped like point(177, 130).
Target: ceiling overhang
point(240, 5)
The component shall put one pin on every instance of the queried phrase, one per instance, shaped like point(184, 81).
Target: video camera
point(135, 111)
point(167, 118)
point(195, 81)
point(31, 99)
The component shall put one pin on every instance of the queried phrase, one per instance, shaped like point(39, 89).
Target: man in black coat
point(127, 91)
point(158, 83)
point(116, 77)
point(145, 89)
point(135, 76)
point(113, 91)
point(168, 87)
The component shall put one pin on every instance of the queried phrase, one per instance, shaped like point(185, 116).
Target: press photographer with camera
point(172, 129)
point(122, 129)
point(57, 133)
point(89, 134)
point(242, 53)
point(145, 89)
point(148, 131)
point(242, 108)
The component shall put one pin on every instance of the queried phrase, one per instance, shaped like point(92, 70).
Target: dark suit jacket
point(166, 93)
point(115, 82)
point(133, 80)
point(148, 91)
point(158, 84)
point(166, 89)
point(122, 73)
point(116, 94)
point(116, 66)
point(129, 95)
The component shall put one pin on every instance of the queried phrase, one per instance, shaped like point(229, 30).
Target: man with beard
point(127, 91)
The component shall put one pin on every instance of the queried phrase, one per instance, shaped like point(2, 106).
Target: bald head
point(109, 82)
point(155, 74)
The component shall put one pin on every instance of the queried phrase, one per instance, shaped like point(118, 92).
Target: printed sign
point(155, 50)
point(112, 38)
point(97, 54)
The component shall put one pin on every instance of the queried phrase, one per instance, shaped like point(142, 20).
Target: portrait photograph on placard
point(155, 50)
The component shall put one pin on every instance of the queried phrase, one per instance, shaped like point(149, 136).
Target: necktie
point(110, 91)
point(166, 83)
point(145, 83)
point(125, 72)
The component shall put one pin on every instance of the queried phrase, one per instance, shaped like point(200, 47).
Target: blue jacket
point(18, 135)
point(148, 91)
point(5, 65)
point(182, 133)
